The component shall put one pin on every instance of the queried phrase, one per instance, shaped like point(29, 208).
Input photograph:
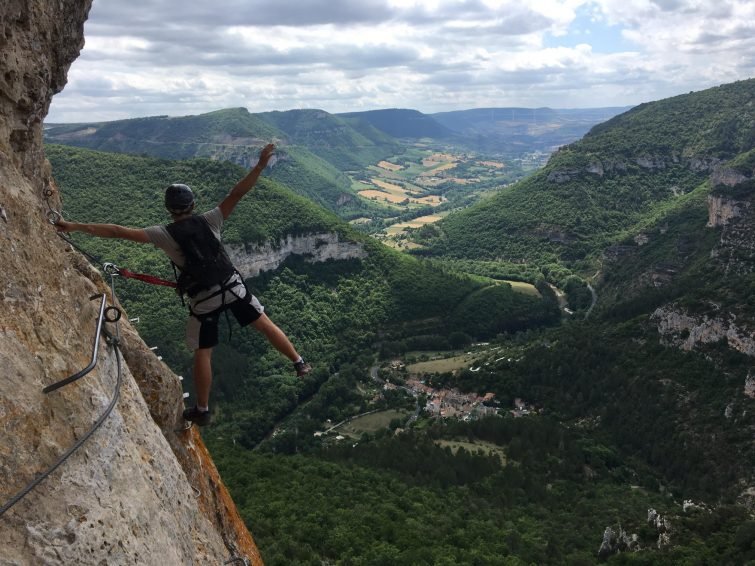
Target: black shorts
point(202, 330)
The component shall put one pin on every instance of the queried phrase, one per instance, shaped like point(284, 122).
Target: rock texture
point(137, 492)
point(722, 210)
point(688, 331)
point(251, 260)
point(736, 219)
point(620, 166)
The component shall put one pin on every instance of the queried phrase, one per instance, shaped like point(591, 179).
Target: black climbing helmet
point(178, 198)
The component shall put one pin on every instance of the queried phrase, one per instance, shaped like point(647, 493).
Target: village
point(450, 402)
point(439, 403)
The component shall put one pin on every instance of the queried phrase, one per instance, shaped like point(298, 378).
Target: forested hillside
point(335, 311)
point(401, 123)
point(332, 138)
point(593, 193)
point(309, 162)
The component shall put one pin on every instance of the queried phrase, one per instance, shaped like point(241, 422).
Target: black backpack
point(207, 263)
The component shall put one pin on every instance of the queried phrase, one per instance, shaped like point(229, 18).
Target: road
point(594, 300)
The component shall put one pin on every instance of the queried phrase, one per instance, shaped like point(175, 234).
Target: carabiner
point(53, 217)
point(111, 268)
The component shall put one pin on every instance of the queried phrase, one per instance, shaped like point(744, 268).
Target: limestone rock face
point(687, 331)
point(722, 210)
point(251, 260)
point(136, 492)
point(736, 219)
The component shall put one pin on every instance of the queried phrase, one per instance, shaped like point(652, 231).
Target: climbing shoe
point(200, 418)
point(302, 368)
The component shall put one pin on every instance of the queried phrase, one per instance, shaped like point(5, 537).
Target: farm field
point(371, 423)
point(416, 223)
point(441, 366)
point(425, 178)
point(390, 166)
point(390, 192)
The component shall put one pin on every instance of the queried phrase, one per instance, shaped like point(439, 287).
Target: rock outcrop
point(616, 542)
point(688, 331)
point(722, 210)
point(620, 166)
point(736, 219)
point(251, 260)
point(137, 492)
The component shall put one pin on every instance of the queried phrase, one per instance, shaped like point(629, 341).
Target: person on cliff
point(206, 275)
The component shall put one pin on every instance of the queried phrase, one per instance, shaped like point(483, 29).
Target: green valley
point(553, 369)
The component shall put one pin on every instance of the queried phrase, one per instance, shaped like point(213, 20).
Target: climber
point(206, 275)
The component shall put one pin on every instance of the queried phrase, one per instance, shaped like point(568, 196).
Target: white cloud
point(150, 57)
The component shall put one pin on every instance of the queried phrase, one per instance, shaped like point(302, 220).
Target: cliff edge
point(137, 491)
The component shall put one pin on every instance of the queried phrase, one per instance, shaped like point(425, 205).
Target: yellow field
point(394, 194)
point(390, 188)
point(416, 223)
point(432, 200)
point(495, 164)
point(382, 196)
point(362, 220)
point(438, 169)
point(390, 166)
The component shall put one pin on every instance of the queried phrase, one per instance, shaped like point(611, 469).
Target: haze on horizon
point(165, 57)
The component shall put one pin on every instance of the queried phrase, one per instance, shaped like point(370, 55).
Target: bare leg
point(203, 375)
point(276, 337)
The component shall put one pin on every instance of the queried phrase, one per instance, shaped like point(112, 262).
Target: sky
point(183, 57)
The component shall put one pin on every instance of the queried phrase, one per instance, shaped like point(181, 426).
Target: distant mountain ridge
point(314, 147)
point(403, 123)
point(505, 130)
point(619, 176)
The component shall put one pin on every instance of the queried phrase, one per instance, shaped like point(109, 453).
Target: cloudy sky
point(180, 57)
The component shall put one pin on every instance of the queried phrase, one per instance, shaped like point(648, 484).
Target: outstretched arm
point(104, 230)
point(246, 184)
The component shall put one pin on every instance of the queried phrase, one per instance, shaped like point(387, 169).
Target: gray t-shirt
point(161, 238)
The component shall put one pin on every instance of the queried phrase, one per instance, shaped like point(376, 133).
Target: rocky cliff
point(137, 491)
point(251, 260)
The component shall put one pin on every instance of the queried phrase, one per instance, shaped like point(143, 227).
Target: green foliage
point(642, 393)
point(410, 499)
